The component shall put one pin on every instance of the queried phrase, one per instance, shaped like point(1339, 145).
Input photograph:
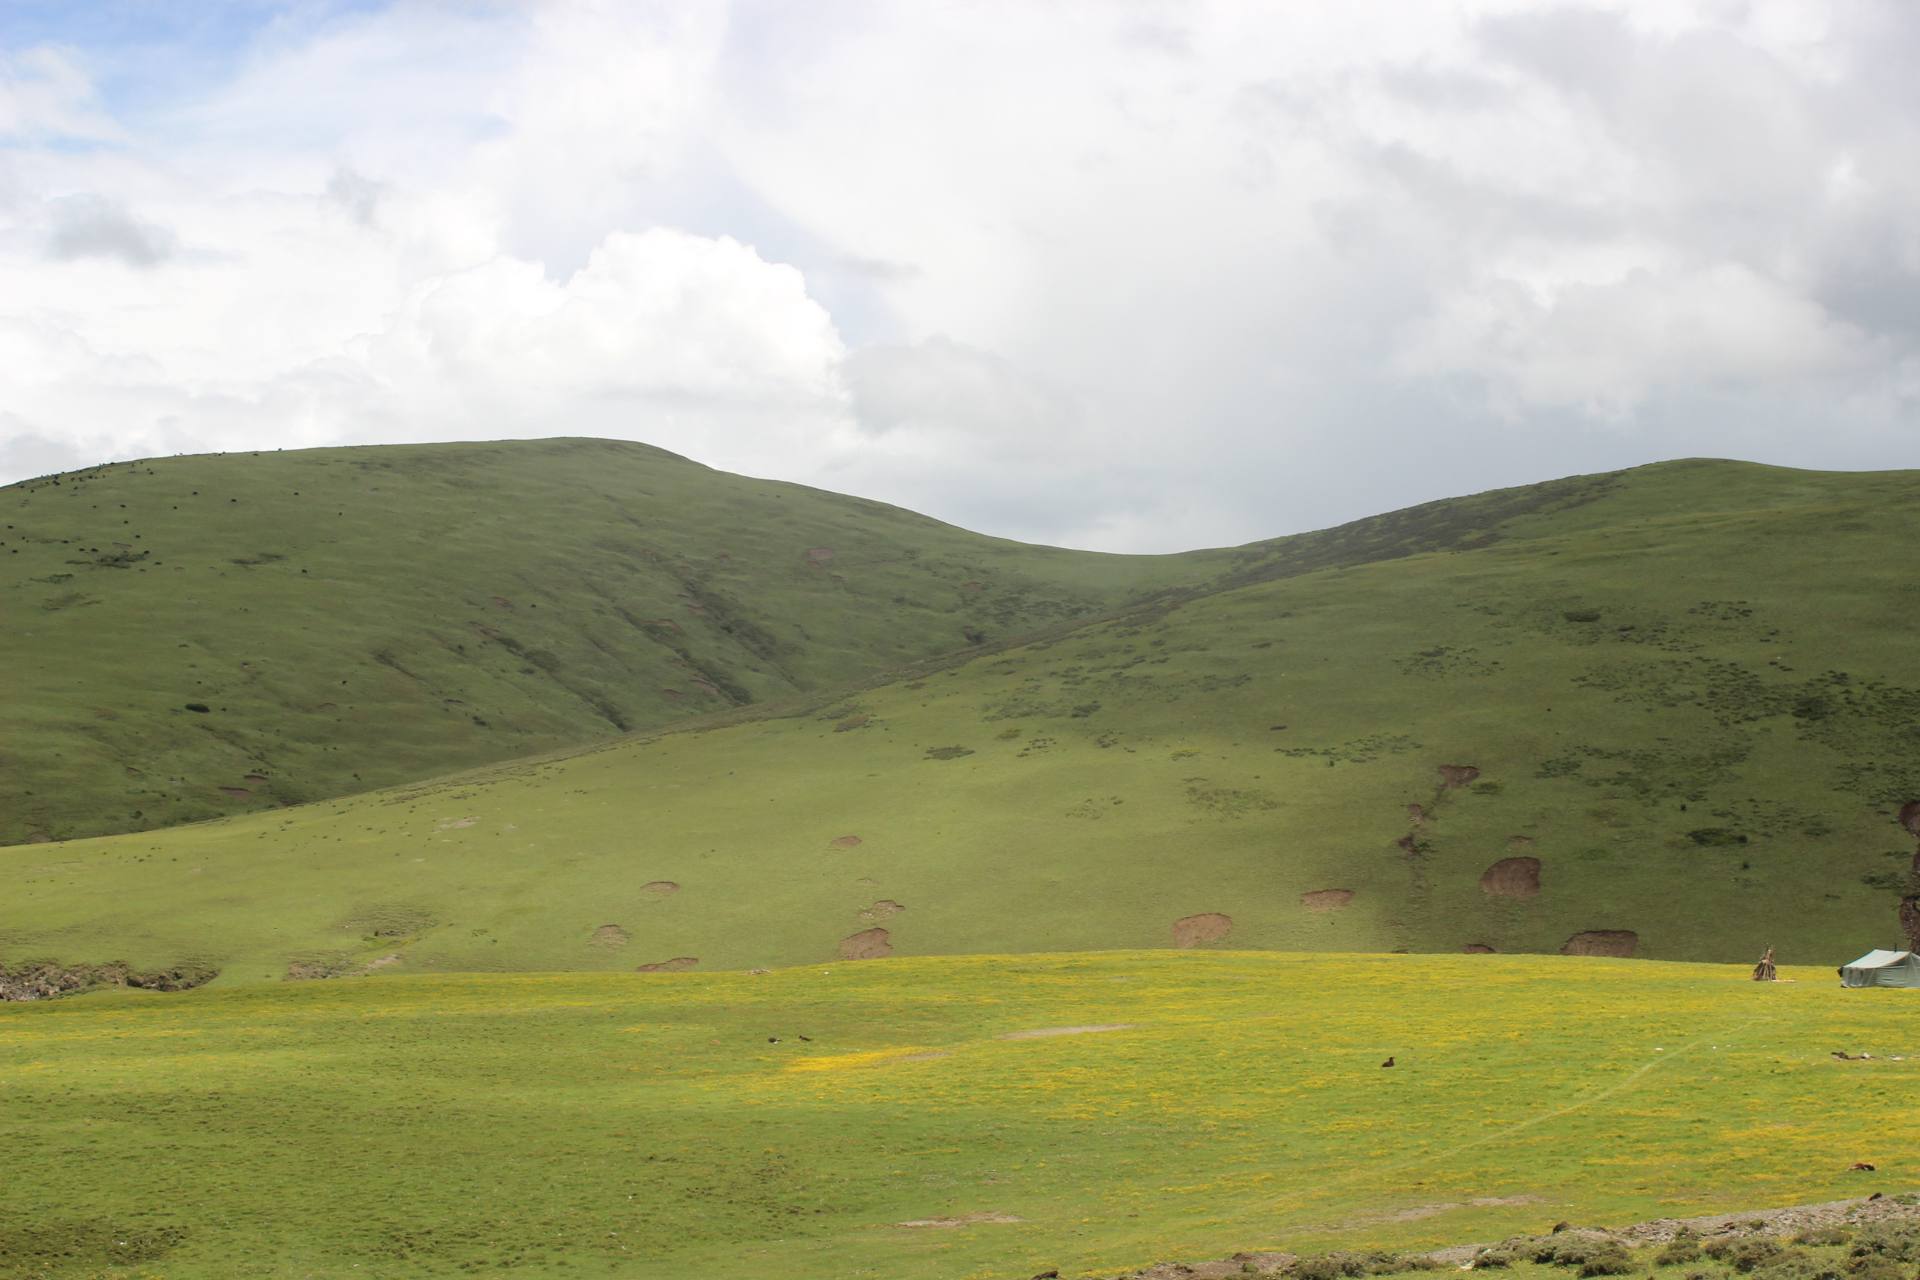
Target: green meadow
point(980, 1116)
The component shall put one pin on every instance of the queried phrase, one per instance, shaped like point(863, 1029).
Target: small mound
point(1602, 942)
point(1457, 775)
point(1326, 899)
point(1478, 949)
point(1512, 878)
point(679, 964)
point(1910, 817)
point(845, 842)
point(660, 888)
point(1208, 926)
point(611, 935)
point(868, 944)
point(882, 909)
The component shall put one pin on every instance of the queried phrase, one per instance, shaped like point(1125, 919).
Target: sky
point(1132, 275)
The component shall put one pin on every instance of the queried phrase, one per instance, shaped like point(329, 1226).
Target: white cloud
point(1140, 275)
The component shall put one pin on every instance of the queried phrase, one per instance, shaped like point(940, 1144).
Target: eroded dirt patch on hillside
point(679, 964)
point(1512, 878)
point(1326, 899)
point(1910, 817)
point(611, 936)
point(1602, 942)
point(882, 910)
point(660, 888)
point(868, 944)
point(845, 842)
point(1208, 926)
point(1457, 775)
point(47, 979)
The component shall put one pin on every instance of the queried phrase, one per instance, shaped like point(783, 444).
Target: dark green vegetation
point(1671, 711)
point(928, 1119)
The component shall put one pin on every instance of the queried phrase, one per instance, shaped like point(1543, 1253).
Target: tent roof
point(1881, 959)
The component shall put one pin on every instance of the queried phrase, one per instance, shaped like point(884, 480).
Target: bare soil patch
point(1512, 878)
point(1457, 775)
point(236, 793)
point(660, 888)
point(868, 944)
point(963, 1220)
point(1208, 926)
point(457, 824)
point(45, 980)
point(1417, 814)
point(1043, 1033)
point(255, 779)
point(1326, 899)
point(819, 555)
point(1601, 942)
point(845, 842)
point(679, 964)
point(1910, 817)
point(882, 909)
point(611, 935)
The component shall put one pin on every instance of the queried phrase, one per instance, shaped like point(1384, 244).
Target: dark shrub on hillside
point(1795, 1264)
point(1824, 1236)
point(1682, 1248)
point(1877, 1267)
point(1897, 1241)
point(1745, 1253)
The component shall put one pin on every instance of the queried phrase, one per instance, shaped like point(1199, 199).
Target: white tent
point(1882, 969)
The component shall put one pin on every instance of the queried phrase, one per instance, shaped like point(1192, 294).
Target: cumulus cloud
point(1138, 276)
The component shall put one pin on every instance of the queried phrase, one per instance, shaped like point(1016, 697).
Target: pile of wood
point(1764, 972)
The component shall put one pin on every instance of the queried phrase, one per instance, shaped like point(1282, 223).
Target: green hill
point(206, 635)
point(1670, 711)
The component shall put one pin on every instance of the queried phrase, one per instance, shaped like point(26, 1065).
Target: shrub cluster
point(1588, 1256)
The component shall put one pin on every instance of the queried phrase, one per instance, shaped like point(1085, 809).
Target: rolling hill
point(1669, 712)
point(196, 636)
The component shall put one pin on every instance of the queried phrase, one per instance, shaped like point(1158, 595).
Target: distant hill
point(1669, 712)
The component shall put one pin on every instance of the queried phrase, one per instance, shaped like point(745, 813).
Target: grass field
point(1691, 703)
point(645, 1125)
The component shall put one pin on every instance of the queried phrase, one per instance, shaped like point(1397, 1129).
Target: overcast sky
point(1128, 274)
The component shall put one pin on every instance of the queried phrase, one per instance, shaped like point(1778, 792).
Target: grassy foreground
point(646, 1125)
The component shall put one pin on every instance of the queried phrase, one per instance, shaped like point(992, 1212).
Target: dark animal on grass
point(1860, 1166)
point(1387, 1063)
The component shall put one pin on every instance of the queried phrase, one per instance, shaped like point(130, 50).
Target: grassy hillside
point(1678, 719)
point(196, 636)
point(925, 1127)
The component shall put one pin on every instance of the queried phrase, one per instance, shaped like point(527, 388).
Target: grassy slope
point(358, 617)
point(1694, 700)
point(644, 1126)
